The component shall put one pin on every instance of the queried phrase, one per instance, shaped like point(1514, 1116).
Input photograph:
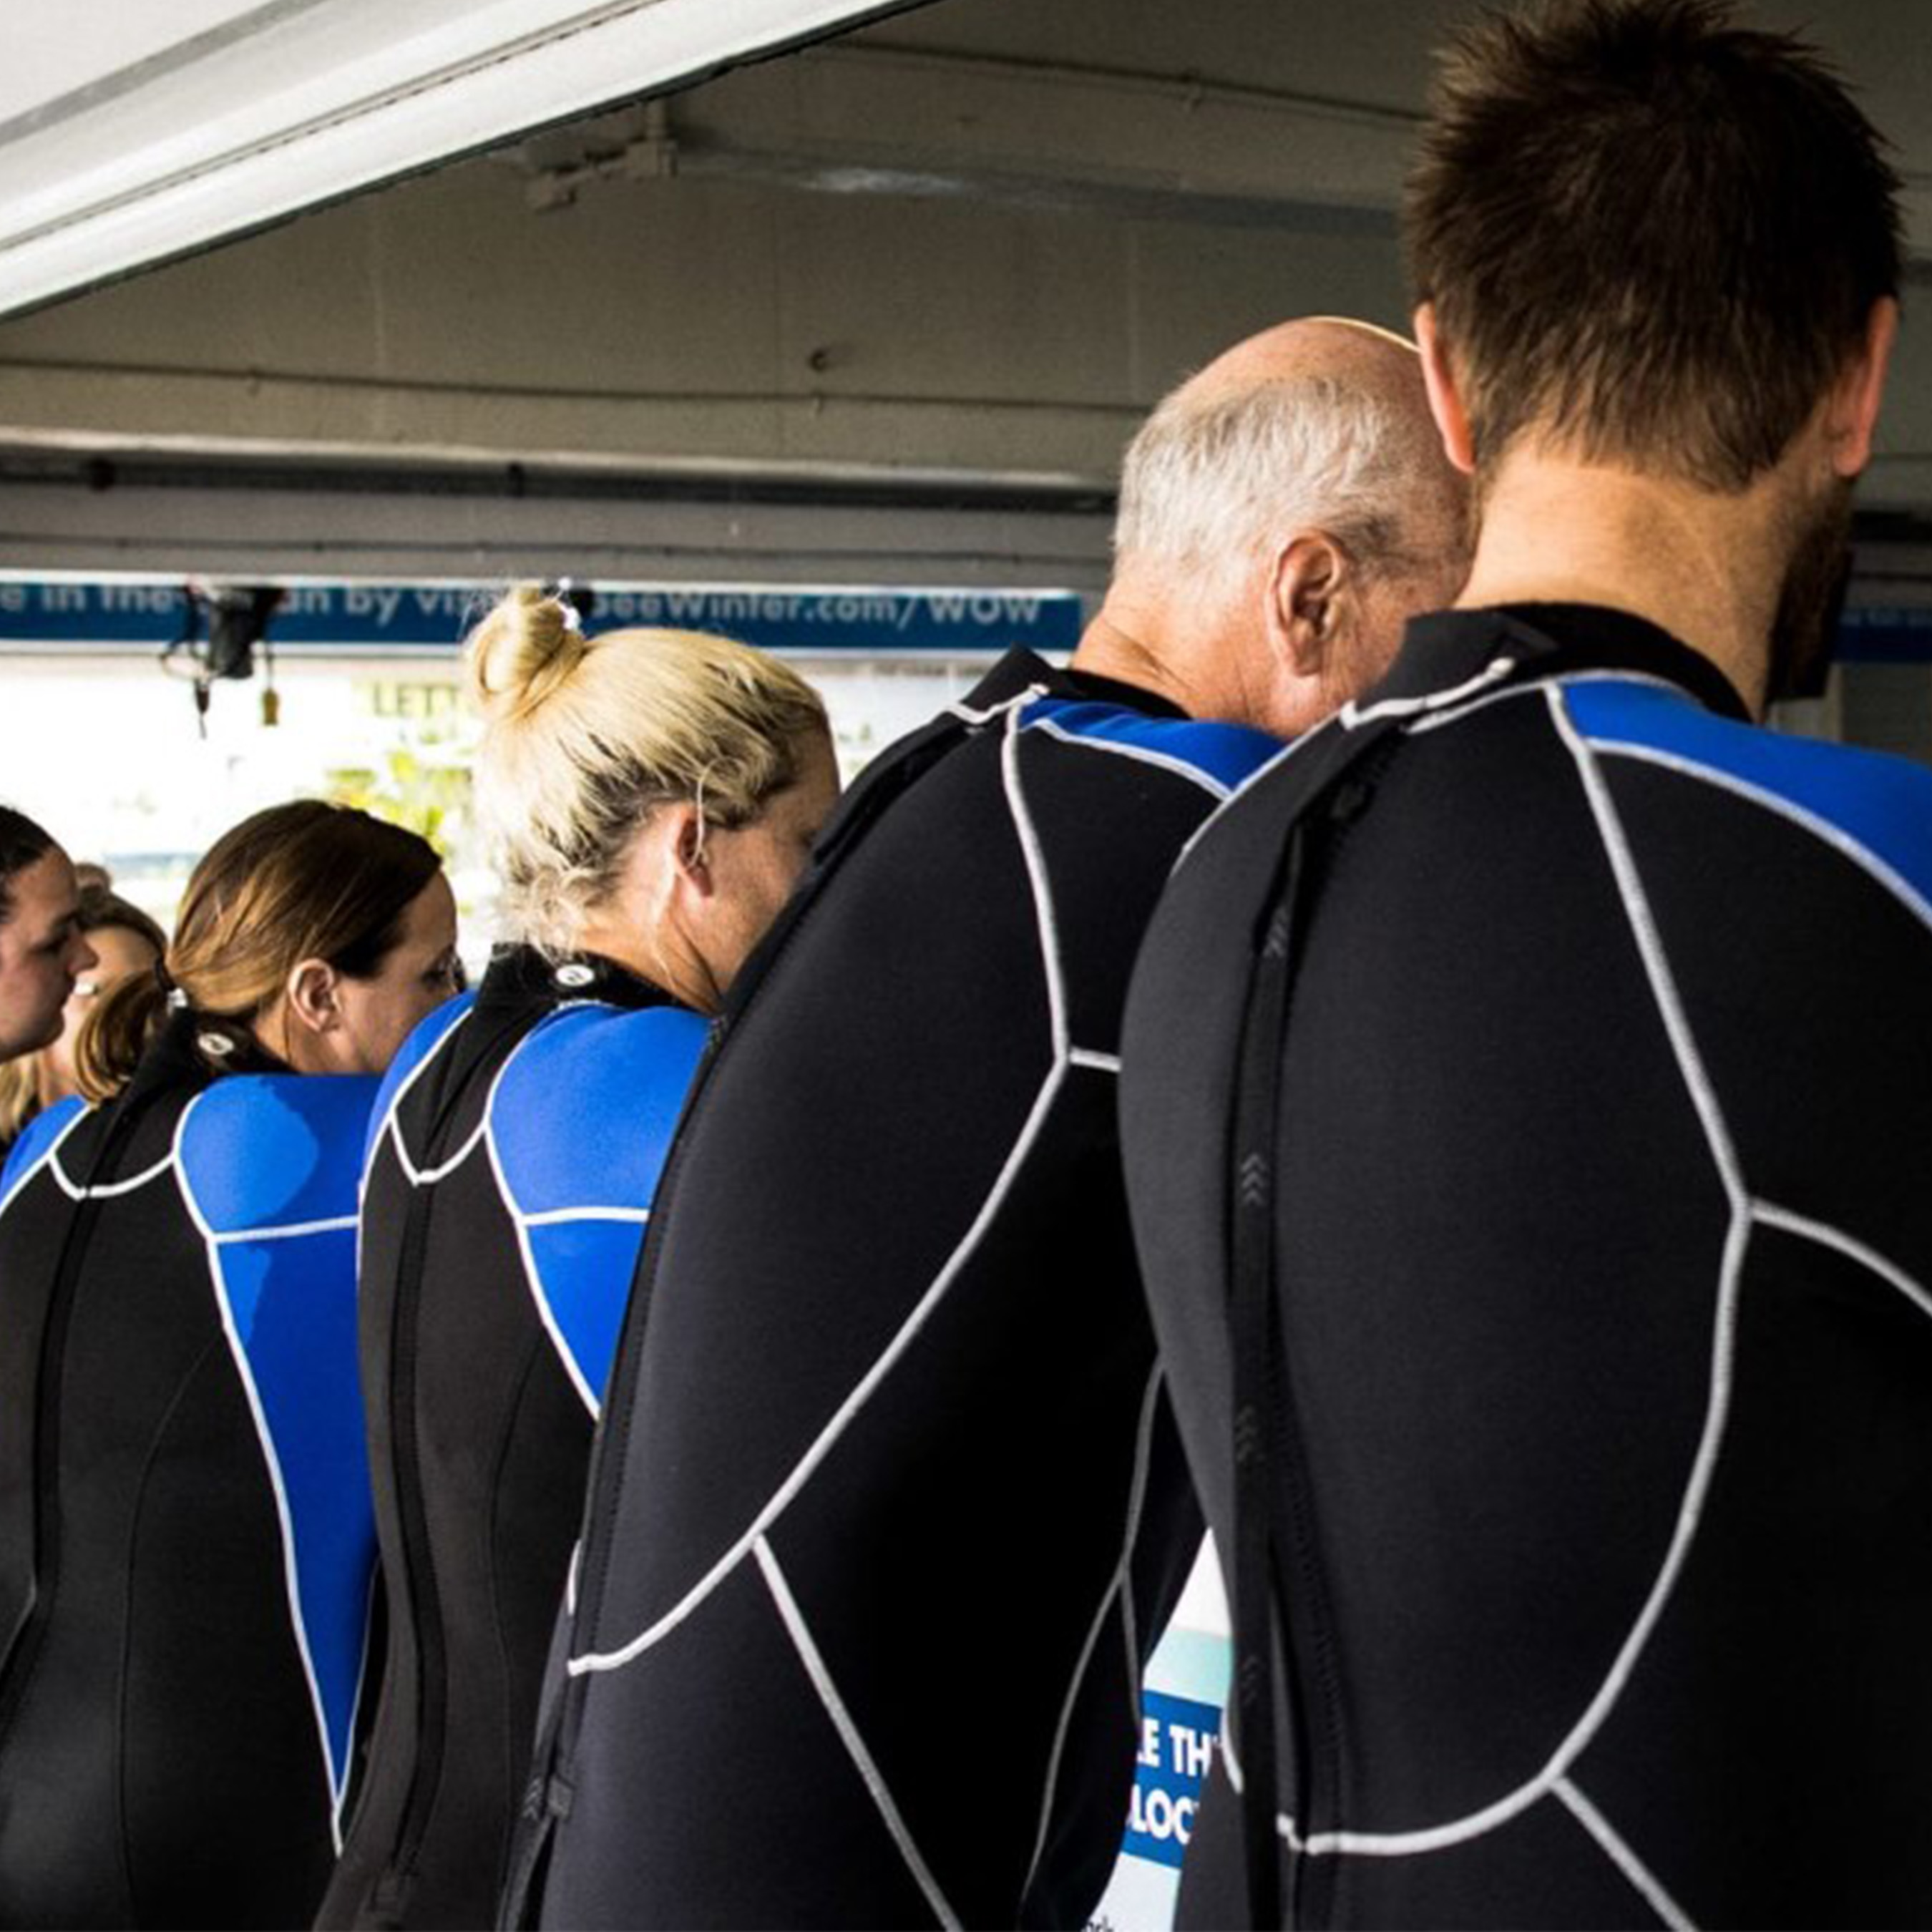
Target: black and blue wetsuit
point(186, 1536)
point(859, 1622)
point(516, 1149)
point(1528, 1106)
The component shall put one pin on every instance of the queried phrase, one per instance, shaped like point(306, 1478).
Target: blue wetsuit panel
point(427, 1036)
point(1221, 754)
point(580, 1123)
point(578, 1263)
point(268, 1150)
point(1881, 806)
point(37, 1138)
point(273, 1163)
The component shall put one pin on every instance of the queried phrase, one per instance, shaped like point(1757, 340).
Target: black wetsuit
point(856, 1639)
point(186, 1536)
point(518, 1143)
point(1528, 1118)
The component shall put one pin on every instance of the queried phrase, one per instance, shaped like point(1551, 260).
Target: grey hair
point(1211, 485)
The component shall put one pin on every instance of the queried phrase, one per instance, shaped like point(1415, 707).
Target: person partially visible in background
point(42, 952)
point(124, 940)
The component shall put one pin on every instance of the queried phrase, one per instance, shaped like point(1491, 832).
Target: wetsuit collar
point(520, 975)
point(1020, 669)
point(1447, 648)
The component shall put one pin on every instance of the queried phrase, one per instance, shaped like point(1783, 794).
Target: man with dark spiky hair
point(1527, 1086)
point(42, 952)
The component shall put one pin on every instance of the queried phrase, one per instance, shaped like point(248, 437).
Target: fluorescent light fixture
point(294, 105)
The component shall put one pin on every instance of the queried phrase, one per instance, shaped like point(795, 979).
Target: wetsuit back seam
point(1835, 837)
point(595, 1661)
point(334, 1776)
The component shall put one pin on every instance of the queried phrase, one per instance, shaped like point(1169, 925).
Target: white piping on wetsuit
point(1626, 1861)
point(1063, 1058)
point(1120, 1585)
point(1745, 1212)
point(793, 1618)
point(336, 1775)
point(484, 1135)
point(1352, 715)
point(1835, 836)
point(1435, 720)
point(1144, 754)
point(214, 1240)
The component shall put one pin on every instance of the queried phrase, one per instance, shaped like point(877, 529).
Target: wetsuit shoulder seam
point(1143, 754)
point(1847, 844)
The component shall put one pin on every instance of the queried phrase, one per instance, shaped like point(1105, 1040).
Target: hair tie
point(175, 996)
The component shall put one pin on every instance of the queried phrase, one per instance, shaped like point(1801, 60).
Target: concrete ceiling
point(946, 261)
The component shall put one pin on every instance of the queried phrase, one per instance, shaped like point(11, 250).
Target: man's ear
point(1445, 394)
point(1310, 582)
point(1851, 410)
point(314, 996)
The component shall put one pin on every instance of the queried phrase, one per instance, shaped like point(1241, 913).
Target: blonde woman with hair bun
point(650, 796)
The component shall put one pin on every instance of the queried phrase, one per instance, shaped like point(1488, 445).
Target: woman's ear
point(686, 840)
point(314, 991)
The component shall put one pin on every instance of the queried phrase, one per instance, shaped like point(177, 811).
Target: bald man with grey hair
point(891, 1508)
point(1282, 513)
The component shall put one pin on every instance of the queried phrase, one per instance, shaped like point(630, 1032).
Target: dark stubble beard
point(1804, 626)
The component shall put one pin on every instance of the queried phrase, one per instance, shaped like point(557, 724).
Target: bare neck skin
point(672, 968)
point(1188, 658)
point(1704, 567)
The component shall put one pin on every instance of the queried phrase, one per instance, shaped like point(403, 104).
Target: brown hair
point(307, 880)
point(100, 907)
point(1649, 235)
point(21, 843)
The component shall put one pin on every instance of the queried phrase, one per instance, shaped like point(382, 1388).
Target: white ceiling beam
point(324, 101)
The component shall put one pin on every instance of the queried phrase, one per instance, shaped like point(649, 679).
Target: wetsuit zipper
point(1279, 1583)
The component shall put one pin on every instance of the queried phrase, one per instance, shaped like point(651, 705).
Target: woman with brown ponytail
point(653, 794)
point(186, 1541)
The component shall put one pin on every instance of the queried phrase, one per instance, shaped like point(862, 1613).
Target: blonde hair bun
point(582, 742)
point(527, 646)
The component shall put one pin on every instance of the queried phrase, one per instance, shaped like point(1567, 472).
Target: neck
point(1135, 637)
point(674, 968)
point(1699, 565)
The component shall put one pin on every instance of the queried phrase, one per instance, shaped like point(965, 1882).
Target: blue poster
point(1178, 1740)
point(392, 620)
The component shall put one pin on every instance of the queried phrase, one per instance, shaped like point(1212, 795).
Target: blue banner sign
point(1178, 1740)
point(391, 619)
point(1885, 637)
